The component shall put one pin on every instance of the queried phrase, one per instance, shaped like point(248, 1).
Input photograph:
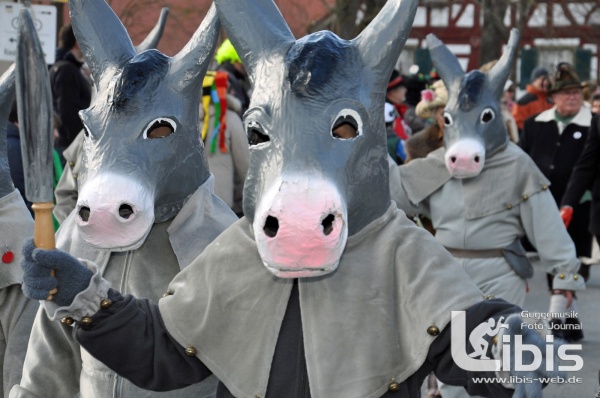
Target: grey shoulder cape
point(16, 224)
point(364, 324)
point(508, 178)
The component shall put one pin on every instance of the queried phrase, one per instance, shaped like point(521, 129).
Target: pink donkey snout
point(300, 227)
point(114, 212)
point(465, 158)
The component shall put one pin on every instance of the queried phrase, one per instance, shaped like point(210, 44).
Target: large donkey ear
point(101, 36)
point(500, 72)
point(256, 29)
point(382, 41)
point(189, 66)
point(445, 62)
point(151, 41)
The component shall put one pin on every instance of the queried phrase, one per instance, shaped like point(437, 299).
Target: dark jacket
point(71, 93)
point(556, 154)
point(15, 161)
point(586, 175)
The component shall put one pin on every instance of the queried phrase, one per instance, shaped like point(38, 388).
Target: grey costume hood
point(318, 170)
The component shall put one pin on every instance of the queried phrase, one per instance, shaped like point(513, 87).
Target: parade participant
point(585, 176)
point(146, 206)
point(229, 61)
point(479, 214)
point(17, 311)
point(536, 100)
point(315, 293)
point(225, 139)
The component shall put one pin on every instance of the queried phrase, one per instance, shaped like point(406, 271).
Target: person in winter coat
point(585, 176)
point(71, 91)
point(555, 139)
point(536, 100)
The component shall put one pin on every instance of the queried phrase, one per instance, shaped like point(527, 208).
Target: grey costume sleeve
point(546, 231)
point(53, 362)
point(16, 317)
point(131, 332)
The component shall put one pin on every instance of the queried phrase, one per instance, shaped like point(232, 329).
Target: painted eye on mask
point(448, 121)
point(347, 126)
point(487, 116)
point(256, 134)
point(159, 128)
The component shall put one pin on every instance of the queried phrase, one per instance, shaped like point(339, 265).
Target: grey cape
point(365, 325)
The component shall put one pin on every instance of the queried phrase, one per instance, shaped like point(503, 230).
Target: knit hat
point(396, 80)
point(227, 53)
point(430, 99)
point(539, 72)
point(564, 78)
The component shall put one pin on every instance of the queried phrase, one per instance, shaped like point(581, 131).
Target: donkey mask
point(318, 168)
point(473, 116)
point(141, 169)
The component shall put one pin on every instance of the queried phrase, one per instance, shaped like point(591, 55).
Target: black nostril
point(84, 213)
point(476, 159)
point(453, 159)
point(125, 211)
point(271, 226)
point(327, 224)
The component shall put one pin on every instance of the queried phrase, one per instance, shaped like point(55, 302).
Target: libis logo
point(478, 360)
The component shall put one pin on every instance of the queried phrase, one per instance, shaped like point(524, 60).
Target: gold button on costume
point(433, 330)
point(86, 322)
point(67, 321)
point(106, 303)
point(394, 387)
point(190, 351)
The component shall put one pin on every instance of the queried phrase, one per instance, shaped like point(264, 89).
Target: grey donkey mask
point(7, 96)
point(142, 154)
point(318, 162)
point(475, 128)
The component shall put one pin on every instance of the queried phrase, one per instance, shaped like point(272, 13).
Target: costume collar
point(583, 118)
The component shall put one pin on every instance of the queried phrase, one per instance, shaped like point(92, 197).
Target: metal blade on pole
point(34, 105)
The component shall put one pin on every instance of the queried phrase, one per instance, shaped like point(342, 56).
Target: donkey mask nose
point(465, 158)
point(114, 212)
point(300, 227)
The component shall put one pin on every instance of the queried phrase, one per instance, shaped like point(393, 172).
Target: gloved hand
point(71, 277)
point(566, 213)
point(533, 387)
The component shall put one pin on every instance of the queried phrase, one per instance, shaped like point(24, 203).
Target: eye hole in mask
point(487, 116)
point(347, 125)
point(448, 121)
point(256, 134)
point(159, 128)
